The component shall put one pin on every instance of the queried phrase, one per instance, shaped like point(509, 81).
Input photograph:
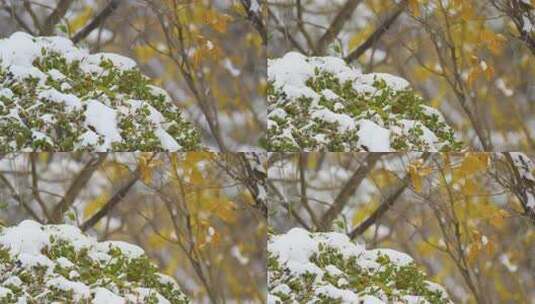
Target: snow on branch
point(306, 267)
point(55, 96)
point(59, 264)
point(321, 103)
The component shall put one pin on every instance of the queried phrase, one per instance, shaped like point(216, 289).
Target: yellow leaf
point(226, 211)
point(417, 171)
point(498, 218)
point(155, 241)
point(473, 75)
point(363, 211)
point(416, 179)
point(494, 42)
point(474, 162)
point(414, 7)
point(144, 53)
point(93, 206)
point(360, 36)
point(146, 165)
point(467, 12)
point(473, 252)
point(469, 187)
point(489, 72)
point(80, 20)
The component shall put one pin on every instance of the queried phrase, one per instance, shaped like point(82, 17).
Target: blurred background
point(465, 218)
point(199, 216)
point(473, 59)
point(208, 55)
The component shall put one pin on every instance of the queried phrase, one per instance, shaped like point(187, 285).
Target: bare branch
point(336, 26)
point(97, 21)
point(385, 205)
point(54, 18)
point(379, 32)
point(348, 190)
point(19, 199)
point(255, 17)
point(111, 203)
point(35, 186)
point(302, 180)
point(284, 31)
point(74, 189)
point(521, 187)
point(20, 22)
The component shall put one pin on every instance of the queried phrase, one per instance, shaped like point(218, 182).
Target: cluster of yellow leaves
point(414, 7)
point(493, 41)
point(206, 202)
point(417, 172)
point(147, 163)
point(205, 49)
point(144, 52)
point(80, 20)
point(480, 244)
point(187, 167)
point(216, 20)
point(471, 164)
point(94, 205)
point(363, 212)
point(478, 69)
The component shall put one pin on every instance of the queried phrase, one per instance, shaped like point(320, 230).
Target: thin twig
point(97, 21)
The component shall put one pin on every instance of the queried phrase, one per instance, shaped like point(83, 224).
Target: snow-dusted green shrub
point(316, 268)
point(55, 96)
point(321, 103)
point(58, 264)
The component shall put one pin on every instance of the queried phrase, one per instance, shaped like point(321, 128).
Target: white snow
point(80, 291)
point(227, 63)
point(500, 84)
point(127, 249)
point(395, 256)
point(373, 137)
point(238, 255)
point(72, 102)
point(346, 296)
point(296, 245)
point(4, 292)
point(104, 120)
point(123, 63)
point(103, 295)
point(528, 25)
point(344, 122)
point(504, 259)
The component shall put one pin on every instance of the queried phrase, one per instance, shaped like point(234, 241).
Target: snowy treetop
point(55, 96)
point(59, 264)
point(306, 267)
point(321, 103)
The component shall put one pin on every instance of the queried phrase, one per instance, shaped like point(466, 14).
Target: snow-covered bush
point(55, 96)
point(58, 264)
point(316, 268)
point(321, 103)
